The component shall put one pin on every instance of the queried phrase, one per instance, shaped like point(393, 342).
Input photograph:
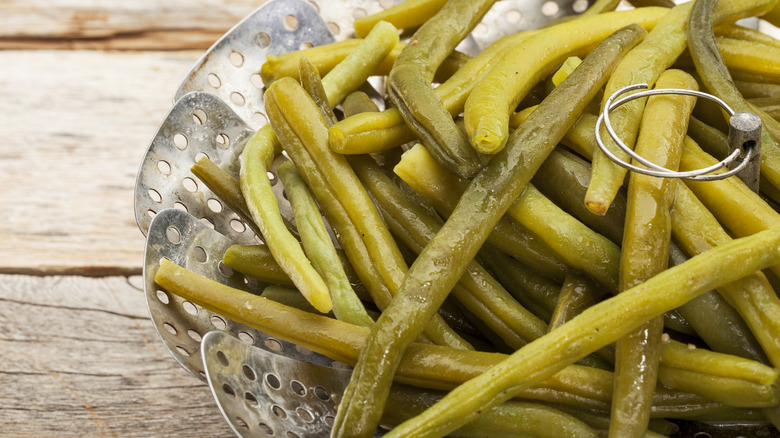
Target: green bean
point(225, 187)
point(358, 102)
point(423, 365)
point(494, 97)
point(770, 105)
point(261, 201)
point(564, 178)
point(697, 230)
point(645, 250)
point(577, 294)
point(301, 128)
point(646, 3)
point(256, 261)
point(601, 6)
point(477, 289)
point(658, 52)
point(407, 14)
point(446, 257)
point(409, 84)
point(289, 297)
point(717, 80)
point(377, 132)
point(320, 250)
point(442, 190)
point(325, 56)
point(712, 140)
point(574, 242)
point(312, 83)
point(600, 325)
point(736, 31)
point(751, 90)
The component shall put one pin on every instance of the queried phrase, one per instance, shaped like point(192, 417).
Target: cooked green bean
point(256, 261)
point(289, 297)
point(717, 80)
point(605, 323)
point(302, 130)
point(225, 187)
point(736, 31)
point(409, 84)
point(377, 132)
point(751, 90)
point(443, 189)
point(645, 250)
point(445, 258)
point(658, 52)
point(261, 201)
point(711, 139)
point(423, 365)
point(577, 294)
point(319, 248)
point(697, 230)
point(496, 96)
point(407, 14)
point(477, 289)
point(578, 245)
point(312, 83)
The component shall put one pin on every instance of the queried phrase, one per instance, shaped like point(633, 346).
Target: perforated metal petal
point(186, 241)
point(263, 394)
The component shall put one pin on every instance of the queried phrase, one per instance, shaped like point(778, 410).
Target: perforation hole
point(164, 167)
point(214, 80)
point(222, 358)
point(173, 235)
point(298, 388)
point(579, 6)
point(237, 98)
point(236, 59)
point(163, 297)
point(273, 344)
point(334, 28)
point(386, 3)
point(249, 373)
point(279, 411)
point(200, 155)
point(292, 435)
point(179, 206)
point(180, 141)
point(223, 141)
point(303, 350)
point(514, 16)
point(237, 225)
point(218, 322)
point(263, 40)
point(252, 284)
point(189, 308)
point(151, 214)
point(550, 9)
point(305, 45)
point(155, 195)
point(329, 419)
point(266, 429)
point(257, 81)
point(321, 393)
point(189, 184)
point(183, 351)
point(170, 328)
point(241, 423)
point(246, 338)
point(480, 29)
point(259, 119)
point(273, 381)
point(200, 254)
point(229, 390)
point(359, 13)
point(224, 269)
point(250, 399)
point(290, 22)
point(305, 415)
point(214, 205)
point(194, 335)
point(272, 178)
point(207, 222)
point(200, 117)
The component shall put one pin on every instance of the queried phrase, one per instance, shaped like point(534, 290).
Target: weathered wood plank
point(113, 25)
point(75, 127)
point(81, 358)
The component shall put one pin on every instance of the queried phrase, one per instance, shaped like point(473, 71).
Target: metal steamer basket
point(264, 386)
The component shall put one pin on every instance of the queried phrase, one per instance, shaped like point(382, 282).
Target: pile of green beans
point(477, 259)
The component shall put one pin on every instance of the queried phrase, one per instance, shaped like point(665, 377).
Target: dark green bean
point(410, 84)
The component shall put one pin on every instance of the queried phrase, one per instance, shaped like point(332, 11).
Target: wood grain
point(118, 25)
point(75, 127)
point(81, 358)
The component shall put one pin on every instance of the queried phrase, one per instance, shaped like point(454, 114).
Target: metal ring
point(704, 174)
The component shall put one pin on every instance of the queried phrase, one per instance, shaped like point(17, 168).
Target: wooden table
point(83, 88)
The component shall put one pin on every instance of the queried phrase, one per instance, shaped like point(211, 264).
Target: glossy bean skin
point(445, 258)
